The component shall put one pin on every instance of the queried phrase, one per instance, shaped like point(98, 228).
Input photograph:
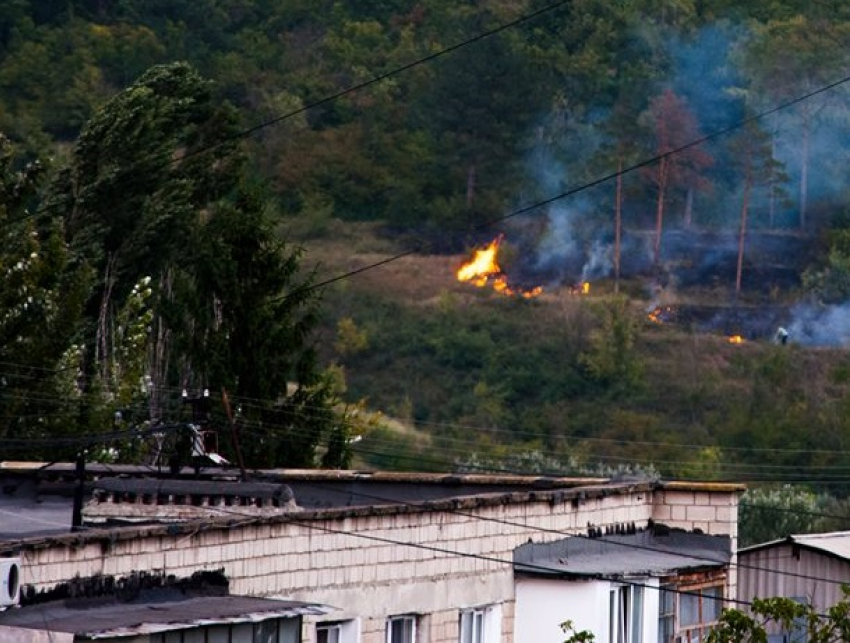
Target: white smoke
point(820, 325)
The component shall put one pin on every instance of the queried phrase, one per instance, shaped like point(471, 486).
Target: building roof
point(835, 543)
point(160, 610)
point(44, 492)
point(651, 552)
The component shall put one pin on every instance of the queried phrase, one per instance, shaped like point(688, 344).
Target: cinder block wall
point(430, 558)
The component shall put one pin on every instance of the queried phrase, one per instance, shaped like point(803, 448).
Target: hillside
point(153, 155)
point(508, 382)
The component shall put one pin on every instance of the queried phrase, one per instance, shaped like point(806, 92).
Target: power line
point(303, 410)
point(593, 183)
point(248, 132)
point(550, 571)
point(381, 77)
point(601, 539)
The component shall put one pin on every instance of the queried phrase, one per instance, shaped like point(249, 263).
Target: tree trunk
point(618, 222)
point(742, 234)
point(104, 346)
point(470, 185)
point(159, 355)
point(659, 212)
point(771, 181)
point(804, 173)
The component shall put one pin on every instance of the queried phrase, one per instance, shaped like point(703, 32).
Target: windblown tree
point(40, 303)
point(193, 290)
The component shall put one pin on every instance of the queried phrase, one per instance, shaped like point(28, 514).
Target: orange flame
point(483, 269)
point(735, 339)
point(661, 314)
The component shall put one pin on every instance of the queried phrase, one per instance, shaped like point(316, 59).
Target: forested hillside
point(237, 194)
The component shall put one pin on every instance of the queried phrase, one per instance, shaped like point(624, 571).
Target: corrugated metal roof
point(158, 611)
point(640, 554)
point(835, 543)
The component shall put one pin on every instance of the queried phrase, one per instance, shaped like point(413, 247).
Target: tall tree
point(752, 154)
point(680, 163)
point(156, 201)
point(41, 300)
point(786, 59)
point(141, 174)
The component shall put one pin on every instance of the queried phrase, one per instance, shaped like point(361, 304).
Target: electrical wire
point(250, 131)
point(605, 178)
point(599, 539)
point(549, 571)
point(304, 411)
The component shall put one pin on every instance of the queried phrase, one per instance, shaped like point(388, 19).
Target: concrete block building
point(399, 558)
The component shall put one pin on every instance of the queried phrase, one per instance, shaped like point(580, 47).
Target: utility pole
point(79, 492)
point(234, 433)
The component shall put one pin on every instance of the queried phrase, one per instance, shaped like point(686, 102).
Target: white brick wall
point(365, 563)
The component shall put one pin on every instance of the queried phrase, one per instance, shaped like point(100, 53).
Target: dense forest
point(269, 200)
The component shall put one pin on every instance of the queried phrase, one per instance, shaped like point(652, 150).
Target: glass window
point(472, 626)
point(289, 630)
point(265, 632)
point(218, 634)
point(666, 614)
point(401, 629)
point(242, 633)
point(196, 635)
point(328, 633)
point(626, 614)
point(699, 609)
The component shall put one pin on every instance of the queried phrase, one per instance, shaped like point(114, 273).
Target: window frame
point(329, 627)
point(702, 593)
point(476, 617)
point(625, 613)
point(411, 619)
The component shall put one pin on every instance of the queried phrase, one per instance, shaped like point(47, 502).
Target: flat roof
point(40, 495)
point(154, 611)
point(644, 553)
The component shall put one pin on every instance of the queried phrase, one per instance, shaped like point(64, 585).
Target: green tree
point(789, 57)
point(41, 298)
point(737, 626)
point(612, 359)
point(766, 514)
point(157, 194)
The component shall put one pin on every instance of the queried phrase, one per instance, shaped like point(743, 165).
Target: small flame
point(483, 269)
point(662, 314)
point(735, 339)
point(585, 288)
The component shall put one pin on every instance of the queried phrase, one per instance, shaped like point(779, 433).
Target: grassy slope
point(493, 376)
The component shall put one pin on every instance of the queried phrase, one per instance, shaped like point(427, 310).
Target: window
point(626, 614)
point(338, 632)
point(667, 614)
point(328, 633)
point(286, 630)
point(686, 614)
point(401, 629)
point(472, 626)
point(699, 608)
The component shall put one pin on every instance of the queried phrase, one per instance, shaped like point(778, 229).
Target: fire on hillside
point(484, 269)
point(738, 324)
